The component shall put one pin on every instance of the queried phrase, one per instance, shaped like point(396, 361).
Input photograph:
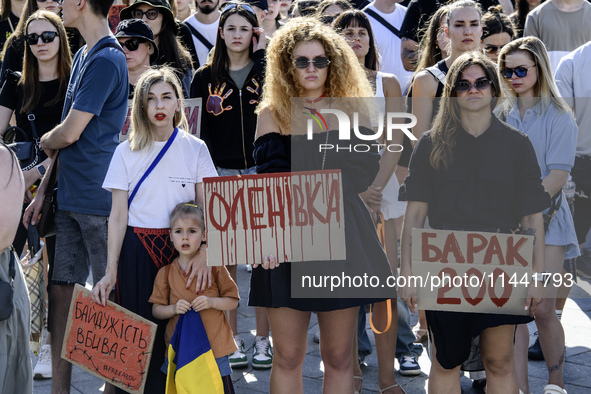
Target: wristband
point(540, 276)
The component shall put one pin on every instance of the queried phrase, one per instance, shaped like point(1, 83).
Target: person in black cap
point(260, 8)
point(158, 15)
point(137, 40)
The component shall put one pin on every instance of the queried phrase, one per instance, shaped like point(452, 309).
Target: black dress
point(493, 182)
point(281, 286)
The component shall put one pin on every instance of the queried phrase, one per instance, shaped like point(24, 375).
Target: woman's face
point(358, 39)
point(442, 38)
point(492, 45)
point(311, 79)
point(182, 5)
point(525, 86)
point(284, 6)
point(237, 33)
point(44, 52)
point(155, 24)
point(138, 58)
point(474, 99)
point(49, 5)
point(273, 7)
point(464, 29)
point(162, 105)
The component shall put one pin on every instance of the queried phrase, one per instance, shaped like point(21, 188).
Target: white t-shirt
point(209, 31)
point(389, 44)
point(172, 181)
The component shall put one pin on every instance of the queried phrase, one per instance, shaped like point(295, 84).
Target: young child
point(171, 298)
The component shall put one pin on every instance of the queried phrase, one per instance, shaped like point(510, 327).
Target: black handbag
point(27, 152)
point(7, 290)
point(46, 225)
point(581, 173)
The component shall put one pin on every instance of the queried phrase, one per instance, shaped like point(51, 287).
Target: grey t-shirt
point(239, 76)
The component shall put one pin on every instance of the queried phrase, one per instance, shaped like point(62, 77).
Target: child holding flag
point(194, 344)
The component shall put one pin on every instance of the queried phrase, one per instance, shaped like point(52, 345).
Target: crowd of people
point(499, 91)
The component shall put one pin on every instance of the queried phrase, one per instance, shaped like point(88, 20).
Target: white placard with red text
point(492, 270)
point(294, 216)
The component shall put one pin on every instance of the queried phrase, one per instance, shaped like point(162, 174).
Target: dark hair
point(189, 208)
point(306, 7)
point(30, 75)
point(5, 9)
point(100, 7)
point(219, 62)
point(358, 18)
point(521, 15)
point(447, 122)
point(495, 22)
point(324, 4)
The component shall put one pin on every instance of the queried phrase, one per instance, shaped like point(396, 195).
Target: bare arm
point(67, 132)
point(219, 303)
point(534, 225)
point(424, 90)
point(266, 124)
point(12, 188)
point(555, 181)
point(409, 53)
point(5, 115)
point(117, 227)
point(414, 217)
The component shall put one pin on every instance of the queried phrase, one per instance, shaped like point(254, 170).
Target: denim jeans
point(405, 345)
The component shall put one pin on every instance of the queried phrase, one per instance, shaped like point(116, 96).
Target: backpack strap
point(384, 22)
point(200, 37)
point(438, 74)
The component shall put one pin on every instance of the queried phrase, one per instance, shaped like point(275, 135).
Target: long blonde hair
point(446, 125)
point(545, 87)
point(346, 77)
point(141, 129)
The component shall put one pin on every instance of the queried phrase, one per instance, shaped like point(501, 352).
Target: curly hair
point(446, 125)
point(346, 77)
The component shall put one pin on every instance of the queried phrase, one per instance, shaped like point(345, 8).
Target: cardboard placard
point(294, 216)
point(488, 272)
point(192, 112)
point(108, 341)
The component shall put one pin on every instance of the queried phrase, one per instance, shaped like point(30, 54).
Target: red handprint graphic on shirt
point(215, 100)
point(256, 90)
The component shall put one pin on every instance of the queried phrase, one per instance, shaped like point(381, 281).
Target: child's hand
point(202, 302)
point(181, 307)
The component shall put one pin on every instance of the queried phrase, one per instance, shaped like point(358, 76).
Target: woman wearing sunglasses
point(534, 106)
point(497, 31)
point(230, 84)
point(472, 172)
point(310, 63)
point(137, 41)
point(158, 15)
point(39, 91)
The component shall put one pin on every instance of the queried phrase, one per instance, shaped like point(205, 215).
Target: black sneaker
point(535, 351)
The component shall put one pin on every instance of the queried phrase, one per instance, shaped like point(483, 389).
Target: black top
point(228, 121)
point(282, 286)
point(419, 12)
point(6, 29)
point(46, 117)
point(493, 182)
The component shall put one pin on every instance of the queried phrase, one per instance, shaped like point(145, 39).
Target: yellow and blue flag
point(191, 365)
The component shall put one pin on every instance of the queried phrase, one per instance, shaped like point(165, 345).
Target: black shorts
point(453, 332)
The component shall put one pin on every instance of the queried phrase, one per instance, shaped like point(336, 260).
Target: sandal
point(381, 391)
point(554, 389)
point(421, 336)
point(361, 387)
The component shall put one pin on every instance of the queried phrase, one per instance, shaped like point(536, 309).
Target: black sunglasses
point(492, 48)
point(519, 71)
point(46, 37)
point(464, 86)
point(318, 62)
point(132, 44)
point(231, 5)
point(150, 14)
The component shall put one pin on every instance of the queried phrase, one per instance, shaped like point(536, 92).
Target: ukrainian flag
point(191, 365)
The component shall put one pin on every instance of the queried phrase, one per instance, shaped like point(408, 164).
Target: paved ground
point(577, 372)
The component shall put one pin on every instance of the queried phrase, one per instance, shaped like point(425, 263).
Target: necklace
point(327, 132)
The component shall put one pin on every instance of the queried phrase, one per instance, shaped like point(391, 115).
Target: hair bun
point(495, 9)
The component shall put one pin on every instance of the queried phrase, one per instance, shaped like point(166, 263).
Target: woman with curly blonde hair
point(310, 68)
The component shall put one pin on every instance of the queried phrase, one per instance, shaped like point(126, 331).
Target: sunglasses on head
point(132, 44)
point(246, 7)
point(318, 62)
point(492, 48)
point(46, 37)
point(480, 84)
point(519, 71)
point(150, 14)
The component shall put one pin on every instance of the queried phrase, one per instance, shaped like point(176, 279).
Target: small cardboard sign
point(108, 341)
point(192, 112)
point(463, 271)
point(294, 216)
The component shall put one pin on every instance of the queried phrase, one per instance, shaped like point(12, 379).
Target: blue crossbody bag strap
point(153, 165)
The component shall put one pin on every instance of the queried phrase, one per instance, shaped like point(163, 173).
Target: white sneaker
point(248, 268)
point(262, 356)
point(238, 358)
point(43, 368)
